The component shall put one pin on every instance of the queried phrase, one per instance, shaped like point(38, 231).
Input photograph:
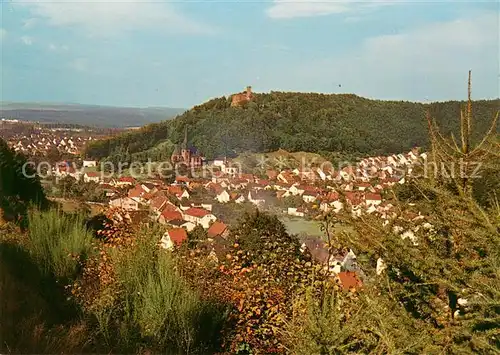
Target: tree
point(53, 155)
point(19, 186)
point(443, 282)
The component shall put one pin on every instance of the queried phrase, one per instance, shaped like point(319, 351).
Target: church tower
point(185, 152)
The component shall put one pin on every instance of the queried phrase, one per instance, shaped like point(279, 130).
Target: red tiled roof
point(177, 235)
point(92, 174)
point(136, 192)
point(248, 177)
point(197, 212)
point(216, 229)
point(332, 196)
point(353, 197)
point(126, 179)
point(182, 179)
point(349, 280)
point(373, 197)
point(175, 189)
point(272, 174)
point(170, 215)
point(158, 202)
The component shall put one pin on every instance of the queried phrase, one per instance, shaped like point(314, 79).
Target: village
point(33, 139)
point(306, 194)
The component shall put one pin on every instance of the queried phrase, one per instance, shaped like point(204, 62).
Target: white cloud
point(287, 9)
point(430, 62)
point(57, 48)
point(29, 23)
point(113, 16)
point(306, 8)
point(27, 40)
point(79, 64)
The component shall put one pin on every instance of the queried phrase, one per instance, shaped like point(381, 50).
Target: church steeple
point(185, 143)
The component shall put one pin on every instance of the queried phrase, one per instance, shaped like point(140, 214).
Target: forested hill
point(295, 122)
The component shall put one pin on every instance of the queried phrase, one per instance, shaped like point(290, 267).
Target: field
point(300, 226)
point(71, 206)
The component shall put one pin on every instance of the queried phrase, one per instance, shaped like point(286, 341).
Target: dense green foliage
point(439, 290)
point(68, 187)
point(126, 295)
point(57, 242)
point(294, 122)
point(19, 185)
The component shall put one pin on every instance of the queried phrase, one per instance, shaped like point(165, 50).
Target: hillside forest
point(319, 123)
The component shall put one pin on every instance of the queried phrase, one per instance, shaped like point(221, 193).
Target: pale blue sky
point(181, 53)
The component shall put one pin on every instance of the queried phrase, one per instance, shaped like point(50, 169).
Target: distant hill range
point(309, 122)
point(88, 115)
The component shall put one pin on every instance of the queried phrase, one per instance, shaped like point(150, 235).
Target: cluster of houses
point(44, 141)
point(35, 139)
point(189, 202)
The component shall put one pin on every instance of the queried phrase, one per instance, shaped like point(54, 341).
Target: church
point(184, 155)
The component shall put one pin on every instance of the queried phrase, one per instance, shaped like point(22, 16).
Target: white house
point(89, 163)
point(256, 198)
point(199, 216)
point(207, 206)
point(92, 176)
point(296, 190)
point(373, 199)
point(321, 174)
point(309, 197)
point(172, 238)
point(297, 212)
point(239, 199)
point(231, 169)
point(223, 197)
point(126, 203)
point(185, 194)
point(337, 206)
point(219, 162)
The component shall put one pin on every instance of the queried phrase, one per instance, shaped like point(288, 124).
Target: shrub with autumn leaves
point(132, 290)
point(260, 273)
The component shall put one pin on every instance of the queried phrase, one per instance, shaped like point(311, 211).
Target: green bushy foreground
point(147, 307)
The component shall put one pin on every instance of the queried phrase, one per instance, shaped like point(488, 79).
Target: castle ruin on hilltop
point(242, 98)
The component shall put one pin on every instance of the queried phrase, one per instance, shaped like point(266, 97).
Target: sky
point(182, 53)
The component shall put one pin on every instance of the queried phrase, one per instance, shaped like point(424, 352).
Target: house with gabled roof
point(125, 203)
point(257, 198)
point(158, 201)
point(173, 238)
point(296, 211)
point(223, 197)
point(236, 197)
point(137, 193)
point(168, 215)
point(92, 177)
point(199, 216)
point(149, 187)
point(125, 181)
point(373, 199)
point(309, 196)
point(180, 223)
point(272, 174)
point(349, 281)
point(218, 228)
